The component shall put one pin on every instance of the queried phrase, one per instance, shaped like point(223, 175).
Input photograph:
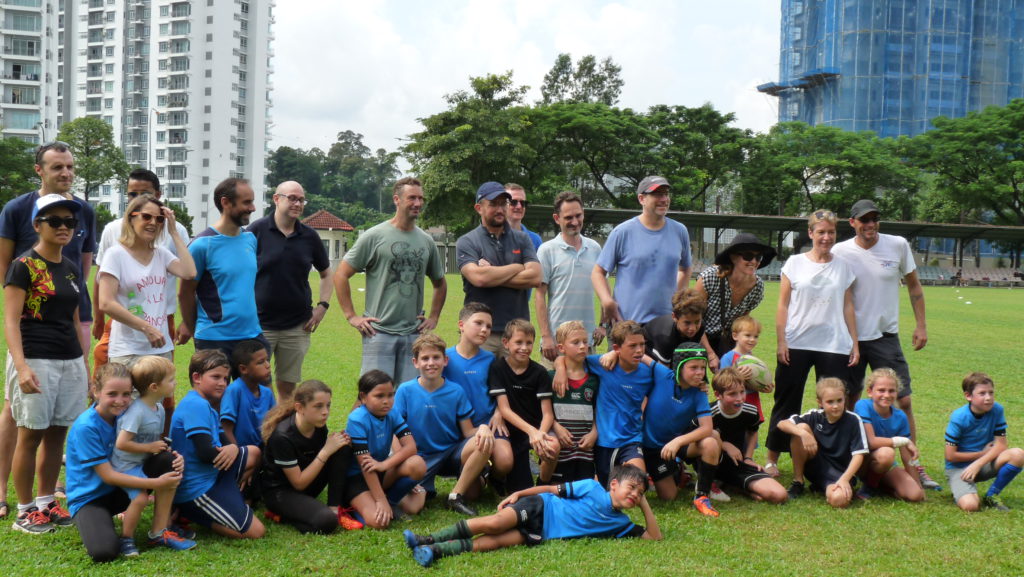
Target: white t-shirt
point(815, 321)
point(876, 294)
point(142, 290)
point(110, 236)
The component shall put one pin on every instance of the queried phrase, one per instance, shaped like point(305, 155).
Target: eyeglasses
point(517, 202)
point(824, 215)
point(57, 145)
point(147, 217)
point(299, 200)
point(869, 218)
point(750, 256)
point(57, 221)
point(132, 195)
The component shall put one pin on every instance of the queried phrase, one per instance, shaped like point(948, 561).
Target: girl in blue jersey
point(888, 433)
point(380, 480)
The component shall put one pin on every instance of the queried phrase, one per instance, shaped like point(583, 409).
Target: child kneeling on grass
point(538, 514)
point(888, 434)
point(96, 492)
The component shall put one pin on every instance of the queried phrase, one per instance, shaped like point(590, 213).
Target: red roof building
point(323, 220)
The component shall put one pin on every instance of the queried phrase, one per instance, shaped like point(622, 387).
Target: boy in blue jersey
point(438, 413)
point(209, 492)
point(674, 402)
point(534, 515)
point(246, 401)
point(976, 447)
point(468, 365)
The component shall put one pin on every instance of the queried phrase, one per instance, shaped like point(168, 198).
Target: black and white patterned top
point(720, 294)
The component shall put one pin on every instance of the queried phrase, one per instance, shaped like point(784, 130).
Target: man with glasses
point(517, 211)
point(286, 250)
point(395, 255)
point(650, 256)
point(880, 262)
point(499, 265)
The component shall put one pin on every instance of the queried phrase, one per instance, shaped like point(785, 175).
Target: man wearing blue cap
point(499, 265)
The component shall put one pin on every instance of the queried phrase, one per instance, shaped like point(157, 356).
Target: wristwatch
point(324, 304)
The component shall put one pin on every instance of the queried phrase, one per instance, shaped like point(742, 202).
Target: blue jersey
point(194, 416)
point(433, 416)
point(90, 443)
point(471, 375)
point(246, 411)
point(896, 425)
point(670, 408)
point(372, 434)
point(971, 433)
point(225, 293)
point(585, 511)
point(619, 401)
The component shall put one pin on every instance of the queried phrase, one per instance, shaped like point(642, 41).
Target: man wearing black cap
point(880, 261)
point(650, 255)
point(498, 265)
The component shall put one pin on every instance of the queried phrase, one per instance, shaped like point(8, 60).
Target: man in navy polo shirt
point(286, 250)
point(499, 265)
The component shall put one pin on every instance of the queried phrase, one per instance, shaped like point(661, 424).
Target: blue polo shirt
point(585, 511)
point(510, 247)
point(90, 443)
point(246, 411)
point(225, 294)
point(283, 295)
point(471, 375)
point(433, 416)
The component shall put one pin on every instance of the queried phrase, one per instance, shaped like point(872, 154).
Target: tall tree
point(97, 158)
point(16, 174)
point(305, 167)
point(587, 81)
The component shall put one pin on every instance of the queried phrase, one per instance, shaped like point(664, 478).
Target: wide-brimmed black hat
point(742, 242)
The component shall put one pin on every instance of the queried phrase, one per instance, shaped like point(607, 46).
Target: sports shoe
point(424, 555)
point(717, 494)
point(59, 516)
point(865, 493)
point(458, 504)
point(33, 522)
point(171, 540)
point(128, 548)
point(412, 540)
point(346, 521)
point(796, 490)
point(926, 481)
point(994, 502)
point(703, 504)
point(183, 532)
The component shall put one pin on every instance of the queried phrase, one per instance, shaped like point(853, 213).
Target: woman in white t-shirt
point(815, 326)
point(133, 275)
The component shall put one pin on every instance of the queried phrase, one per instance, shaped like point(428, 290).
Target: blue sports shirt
point(895, 426)
point(471, 375)
point(585, 511)
point(433, 417)
point(971, 433)
point(619, 400)
point(246, 411)
point(372, 434)
point(90, 443)
point(226, 293)
point(670, 409)
point(194, 416)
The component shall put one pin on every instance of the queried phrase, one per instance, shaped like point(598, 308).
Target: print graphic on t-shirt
point(406, 267)
point(42, 288)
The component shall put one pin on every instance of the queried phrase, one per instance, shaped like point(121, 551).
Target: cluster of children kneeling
point(619, 417)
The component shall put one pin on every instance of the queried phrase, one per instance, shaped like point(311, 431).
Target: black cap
point(862, 207)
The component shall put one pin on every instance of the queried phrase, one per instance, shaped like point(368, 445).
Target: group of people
point(600, 426)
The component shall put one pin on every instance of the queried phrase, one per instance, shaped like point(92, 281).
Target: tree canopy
point(97, 158)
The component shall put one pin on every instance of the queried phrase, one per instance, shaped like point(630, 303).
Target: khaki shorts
point(288, 349)
point(64, 386)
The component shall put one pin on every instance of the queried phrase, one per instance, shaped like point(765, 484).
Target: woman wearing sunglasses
point(133, 275)
point(732, 289)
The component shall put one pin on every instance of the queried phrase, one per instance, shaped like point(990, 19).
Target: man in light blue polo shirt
point(566, 292)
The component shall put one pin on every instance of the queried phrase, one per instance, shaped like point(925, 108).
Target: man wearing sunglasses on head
point(517, 212)
point(880, 262)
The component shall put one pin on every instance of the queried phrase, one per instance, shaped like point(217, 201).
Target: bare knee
point(1015, 457)
point(883, 458)
point(710, 449)
point(256, 530)
point(969, 503)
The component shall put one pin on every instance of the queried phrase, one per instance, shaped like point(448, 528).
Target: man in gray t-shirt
point(395, 255)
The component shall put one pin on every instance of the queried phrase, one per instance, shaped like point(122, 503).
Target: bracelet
point(324, 304)
point(321, 460)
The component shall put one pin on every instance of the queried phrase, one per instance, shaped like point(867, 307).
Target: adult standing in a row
point(650, 256)
point(286, 250)
point(396, 255)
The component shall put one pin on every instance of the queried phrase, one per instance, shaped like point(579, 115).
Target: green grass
point(882, 537)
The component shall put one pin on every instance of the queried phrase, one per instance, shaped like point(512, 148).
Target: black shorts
point(530, 518)
point(659, 468)
point(574, 470)
point(820, 473)
point(883, 352)
point(355, 485)
point(738, 475)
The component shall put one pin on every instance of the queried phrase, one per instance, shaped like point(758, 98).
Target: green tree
point(16, 173)
point(181, 215)
point(97, 158)
point(305, 167)
point(587, 81)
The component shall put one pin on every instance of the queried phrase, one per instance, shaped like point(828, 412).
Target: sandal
point(5, 509)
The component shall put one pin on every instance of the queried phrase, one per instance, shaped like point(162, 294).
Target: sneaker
point(926, 481)
point(458, 504)
point(171, 540)
point(717, 494)
point(424, 555)
point(772, 468)
point(703, 504)
point(412, 540)
point(399, 516)
point(59, 516)
point(796, 490)
point(33, 522)
point(271, 516)
point(128, 548)
point(994, 502)
point(346, 521)
point(183, 532)
point(865, 493)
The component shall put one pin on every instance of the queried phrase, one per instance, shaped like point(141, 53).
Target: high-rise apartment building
point(184, 84)
point(890, 66)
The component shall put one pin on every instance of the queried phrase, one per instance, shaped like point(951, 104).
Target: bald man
point(286, 250)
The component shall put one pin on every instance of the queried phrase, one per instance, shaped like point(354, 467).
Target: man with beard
point(218, 308)
point(499, 265)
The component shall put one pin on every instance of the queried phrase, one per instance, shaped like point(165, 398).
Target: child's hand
point(484, 438)
point(563, 435)
point(498, 424)
point(178, 464)
point(226, 455)
point(508, 500)
point(371, 465)
point(810, 443)
point(334, 442)
point(733, 452)
point(168, 480)
point(609, 359)
point(914, 453)
point(970, 472)
point(588, 441)
point(843, 487)
point(746, 371)
point(156, 447)
point(538, 441)
point(669, 451)
point(383, 513)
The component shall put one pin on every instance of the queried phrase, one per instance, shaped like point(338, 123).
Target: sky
point(376, 66)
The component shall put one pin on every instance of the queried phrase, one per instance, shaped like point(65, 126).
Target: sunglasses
point(147, 217)
point(517, 202)
point(135, 194)
point(58, 221)
point(824, 215)
point(57, 145)
point(870, 218)
point(750, 256)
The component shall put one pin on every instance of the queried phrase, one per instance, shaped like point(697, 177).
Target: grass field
point(969, 329)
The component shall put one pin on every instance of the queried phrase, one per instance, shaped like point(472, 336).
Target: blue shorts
point(223, 503)
point(447, 463)
point(605, 458)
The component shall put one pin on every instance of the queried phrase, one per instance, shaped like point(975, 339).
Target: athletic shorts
point(738, 475)
point(605, 458)
point(447, 463)
point(223, 503)
point(574, 470)
point(356, 485)
point(530, 518)
point(151, 468)
point(821, 474)
point(64, 391)
point(288, 350)
point(959, 487)
point(885, 351)
point(659, 468)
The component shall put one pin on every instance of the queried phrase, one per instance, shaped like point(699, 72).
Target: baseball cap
point(48, 201)
point(650, 184)
point(862, 207)
point(490, 191)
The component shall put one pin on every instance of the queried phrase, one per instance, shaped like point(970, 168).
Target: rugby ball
point(760, 375)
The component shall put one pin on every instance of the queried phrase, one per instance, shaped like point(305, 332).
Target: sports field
point(968, 328)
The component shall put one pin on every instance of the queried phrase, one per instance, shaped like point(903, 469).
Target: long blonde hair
point(127, 231)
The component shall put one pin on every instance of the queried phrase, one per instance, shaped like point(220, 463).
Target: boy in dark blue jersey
point(534, 515)
point(214, 469)
point(247, 400)
point(976, 447)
